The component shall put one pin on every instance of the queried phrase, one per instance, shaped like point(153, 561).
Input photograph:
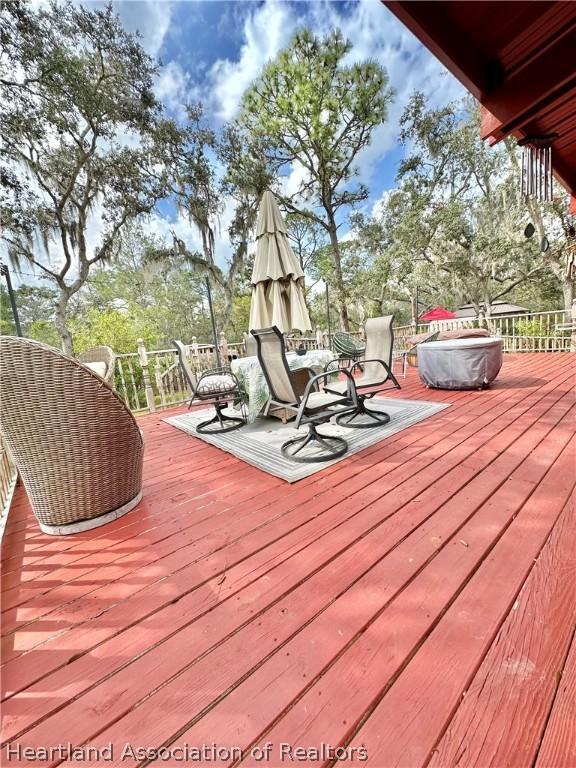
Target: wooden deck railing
point(8, 475)
point(151, 379)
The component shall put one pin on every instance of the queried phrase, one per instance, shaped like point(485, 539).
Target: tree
point(81, 133)
point(35, 307)
point(131, 298)
point(201, 196)
point(314, 112)
point(307, 238)
point(552, 220)
point(455, 213)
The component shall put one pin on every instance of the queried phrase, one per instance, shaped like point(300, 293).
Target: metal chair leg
point(333, 446)
point(226, 423)
point(378, 418)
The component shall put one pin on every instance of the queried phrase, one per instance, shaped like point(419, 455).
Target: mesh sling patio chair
point(102, 361)
point(347, 348)
point(76, 445)
point(218, 386)
point(312, 408)
point(376, 377)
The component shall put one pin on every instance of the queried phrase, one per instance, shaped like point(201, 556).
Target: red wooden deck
point(413, 604)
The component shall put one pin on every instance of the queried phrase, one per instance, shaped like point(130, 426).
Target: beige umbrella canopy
point(277, 278)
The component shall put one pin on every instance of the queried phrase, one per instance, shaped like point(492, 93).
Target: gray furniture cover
point(460, 363)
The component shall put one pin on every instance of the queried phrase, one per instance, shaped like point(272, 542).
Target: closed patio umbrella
point(277, 278)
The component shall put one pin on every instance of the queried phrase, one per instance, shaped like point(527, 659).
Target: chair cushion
point(216, 383)
point(338, 386)
point(360, 382)
point(318, 400)
point(99, 368)
point(463, 333)
point(460, 333)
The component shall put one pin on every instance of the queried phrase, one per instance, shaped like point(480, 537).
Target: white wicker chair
point(77, 447)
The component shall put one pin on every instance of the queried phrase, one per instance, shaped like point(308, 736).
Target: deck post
point(224, 348)
point(142, 354)
point(573, 333)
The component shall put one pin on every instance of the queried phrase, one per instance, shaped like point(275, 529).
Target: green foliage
point(528, 327)
point(239, 320)
point(43, 330)
point(312, 110)
point(542, 293)
point(76, 86)
point(453, 226)
point(35, 306)
point(119, 330)
point(312, 107)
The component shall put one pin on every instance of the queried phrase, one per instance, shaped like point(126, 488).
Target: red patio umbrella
point(436, 313)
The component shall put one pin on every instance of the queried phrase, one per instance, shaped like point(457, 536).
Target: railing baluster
point(132, 383)
point(159, 381)
point(120, 369)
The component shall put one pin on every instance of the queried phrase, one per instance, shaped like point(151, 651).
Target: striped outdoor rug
point(259, 443)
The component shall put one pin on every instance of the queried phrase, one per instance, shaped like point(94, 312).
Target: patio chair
point(76, 445)
point(312, 408)
point(347, 348)
point(102, 361)
point(218, 386)
point(377, 375)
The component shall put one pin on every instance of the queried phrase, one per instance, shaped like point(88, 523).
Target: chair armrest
point(300, 378)
point(312, 383)
point(363, 362)
point(336, 361)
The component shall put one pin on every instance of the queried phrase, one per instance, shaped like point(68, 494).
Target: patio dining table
point(251, 376)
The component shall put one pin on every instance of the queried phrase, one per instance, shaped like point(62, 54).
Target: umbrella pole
point(6, 274)
point(328, 313)
point(214, 332)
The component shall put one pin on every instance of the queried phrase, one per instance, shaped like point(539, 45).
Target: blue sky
point(212, 50)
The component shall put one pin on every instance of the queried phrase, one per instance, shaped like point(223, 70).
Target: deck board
point(558, 747)
point(232, 608)
point(502, 717)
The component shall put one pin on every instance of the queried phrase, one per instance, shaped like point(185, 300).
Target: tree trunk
point(413, 309)
point(379, 304)
point(337, 279)
point(60, 322)
point(568, 294)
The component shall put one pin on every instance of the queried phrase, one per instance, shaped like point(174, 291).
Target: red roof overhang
point(517, 58)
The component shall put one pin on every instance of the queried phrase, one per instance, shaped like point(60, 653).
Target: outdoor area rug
point(259, 443)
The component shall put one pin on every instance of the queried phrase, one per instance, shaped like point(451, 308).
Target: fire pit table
point(460, 363)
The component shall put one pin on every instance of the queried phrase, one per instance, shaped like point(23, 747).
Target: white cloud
point(163, 227)
point(290, 184)
point(374, 33)
point(175, 89)
point(266, 31)
point(380, 205)
point(151, 18)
